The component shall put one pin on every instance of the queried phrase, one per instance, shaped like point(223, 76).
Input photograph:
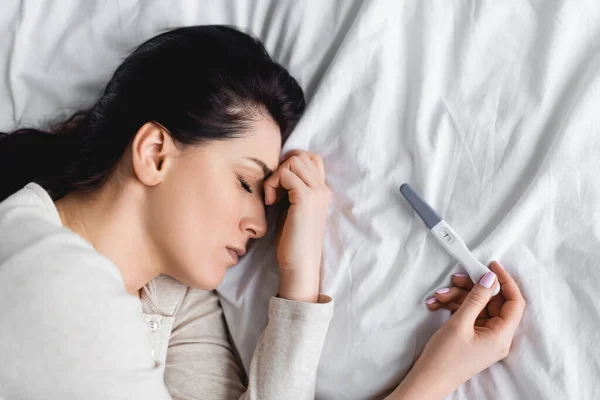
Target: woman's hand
point(300, 239)
point(478, 334)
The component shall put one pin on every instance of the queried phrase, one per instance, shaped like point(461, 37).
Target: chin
point(204, 279)
point(210, 280)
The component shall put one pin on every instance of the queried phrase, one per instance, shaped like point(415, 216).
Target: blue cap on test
point(424, 210)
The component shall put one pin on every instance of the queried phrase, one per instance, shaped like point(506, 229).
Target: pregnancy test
point(446, 235)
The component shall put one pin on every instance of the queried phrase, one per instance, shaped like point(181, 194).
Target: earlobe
point(150, 151)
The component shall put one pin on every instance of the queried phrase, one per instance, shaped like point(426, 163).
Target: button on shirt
point(169, 342)
point(159, 328)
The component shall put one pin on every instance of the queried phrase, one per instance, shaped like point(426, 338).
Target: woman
point(140, 204)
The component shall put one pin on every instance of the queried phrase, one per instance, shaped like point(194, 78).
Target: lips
point(233, 254)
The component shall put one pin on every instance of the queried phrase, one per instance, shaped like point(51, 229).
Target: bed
point(489, 109)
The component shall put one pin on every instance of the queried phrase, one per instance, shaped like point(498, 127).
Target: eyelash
point(245, 185)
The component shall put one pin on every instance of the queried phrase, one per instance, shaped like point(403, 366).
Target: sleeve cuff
point(296, 310)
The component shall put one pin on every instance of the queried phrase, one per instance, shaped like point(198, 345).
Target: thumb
point(477, 299)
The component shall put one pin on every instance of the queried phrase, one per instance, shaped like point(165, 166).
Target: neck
point(111, 221)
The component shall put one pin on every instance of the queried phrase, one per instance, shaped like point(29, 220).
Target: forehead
point(262, 141)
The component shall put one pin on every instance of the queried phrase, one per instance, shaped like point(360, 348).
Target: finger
point(462, 281)
point(289, 154)
point(273, 185)
point(497, 324)
point(435, 305)
point(510, 290)
point(477, 298)
point(308, 161)
point(432, 304)
point(272, 195)
point(281, 179)
point(318, 161)
point(495, 305)
point(303, 171)
point(455, 306)
point(291, 182)
point(315, 159)
point(453, 294)
point(514, 303)
point(295, 153)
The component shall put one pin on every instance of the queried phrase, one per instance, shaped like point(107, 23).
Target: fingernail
point(431, 300)
point(462, 275)
point(442, 291)
point(488, 280)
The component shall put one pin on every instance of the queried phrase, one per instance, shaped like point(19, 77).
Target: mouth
point(236, 253)
point(233, 255)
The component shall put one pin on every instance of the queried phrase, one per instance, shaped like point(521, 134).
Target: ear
point(152, 151)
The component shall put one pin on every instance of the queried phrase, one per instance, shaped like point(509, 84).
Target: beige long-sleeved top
point(69, 329)
point(189, 337)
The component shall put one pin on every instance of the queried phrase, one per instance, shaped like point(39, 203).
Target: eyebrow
point(266, 170)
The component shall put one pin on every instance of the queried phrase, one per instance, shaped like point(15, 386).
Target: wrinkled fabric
point(488, 109)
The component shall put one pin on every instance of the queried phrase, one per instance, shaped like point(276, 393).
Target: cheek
point(215, 224)
point(198, 221)
point(216, 213)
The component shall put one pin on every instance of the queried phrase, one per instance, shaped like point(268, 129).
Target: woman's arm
point(477, 335)
point(284, 365)
point(201, 360)
point(285, 360)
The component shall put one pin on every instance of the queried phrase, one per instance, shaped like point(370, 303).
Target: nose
point(254, 223)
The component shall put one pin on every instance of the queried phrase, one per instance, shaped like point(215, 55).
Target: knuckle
point(294, 160)
point(283, 171)
point(298, 195)
point(522, 303)
point(505, 349)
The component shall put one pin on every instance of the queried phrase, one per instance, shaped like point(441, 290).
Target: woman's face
point(211, 203)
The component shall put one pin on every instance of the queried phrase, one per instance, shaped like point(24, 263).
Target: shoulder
point(65, 305)
point(48, 267)
point(51, 276)
point(35, 249)
point(66, 314)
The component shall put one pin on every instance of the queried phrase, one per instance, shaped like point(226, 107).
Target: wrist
point(421, 385)
point(299, 284)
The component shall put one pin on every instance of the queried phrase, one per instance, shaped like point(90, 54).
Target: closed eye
point(245, 185)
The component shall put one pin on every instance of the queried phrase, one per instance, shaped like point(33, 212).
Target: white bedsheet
point(490, 109)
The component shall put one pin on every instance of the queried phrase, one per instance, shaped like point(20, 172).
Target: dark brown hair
point(201, 83)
